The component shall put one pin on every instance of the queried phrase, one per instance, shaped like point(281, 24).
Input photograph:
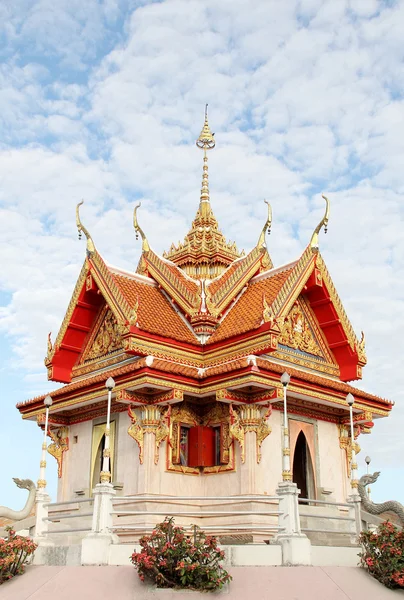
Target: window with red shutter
point(201, 446)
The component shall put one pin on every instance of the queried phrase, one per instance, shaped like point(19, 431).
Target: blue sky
point(104, 100)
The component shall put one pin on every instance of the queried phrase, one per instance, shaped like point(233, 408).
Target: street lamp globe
point(285, 378)
point(110, 384)
point(350, 399)
point(48, 401)
point(367, 460)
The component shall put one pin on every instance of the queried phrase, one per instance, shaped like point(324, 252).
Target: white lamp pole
point(368, 461)
point(42, 471)
point(354, 467)
point(286, 473)
point(105, 475)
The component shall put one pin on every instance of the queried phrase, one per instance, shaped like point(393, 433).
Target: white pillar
point(296, 547)
point(41, 496)
point(95, 546)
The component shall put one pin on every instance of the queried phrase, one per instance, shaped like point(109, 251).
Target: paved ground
point(249, 583)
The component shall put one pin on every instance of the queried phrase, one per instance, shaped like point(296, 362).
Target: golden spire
point(206, 142)
point(82, 229)
point(138, 229)
point(324, 221)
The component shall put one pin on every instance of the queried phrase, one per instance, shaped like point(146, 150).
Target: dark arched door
point(303, 468)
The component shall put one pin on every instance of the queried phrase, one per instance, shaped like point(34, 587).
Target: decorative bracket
point(59, 445)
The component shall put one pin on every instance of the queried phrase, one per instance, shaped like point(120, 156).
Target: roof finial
point(206, 142)
point(138, 229)
point(82, 229)
point(324, 221)
point(267, 226)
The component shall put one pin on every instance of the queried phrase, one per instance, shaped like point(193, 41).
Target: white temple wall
point(126, 457)
point(76, 462)
point(248, 478)
point(332, 469)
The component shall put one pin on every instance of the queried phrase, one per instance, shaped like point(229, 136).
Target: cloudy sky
point(103, 100)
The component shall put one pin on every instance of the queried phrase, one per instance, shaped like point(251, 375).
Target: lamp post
point(354, 467)
point(42, 471)
point(286, 474)
point(105, 475)
point(368, 461)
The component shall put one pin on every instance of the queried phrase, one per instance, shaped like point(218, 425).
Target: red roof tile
point(246, 314)
point(155, 313)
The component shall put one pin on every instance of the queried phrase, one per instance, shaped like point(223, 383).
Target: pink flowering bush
point(14, 551)
point(172, 559)
point(383, 554)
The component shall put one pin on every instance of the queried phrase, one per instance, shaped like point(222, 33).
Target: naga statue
point(18, 515)
point(377, 509)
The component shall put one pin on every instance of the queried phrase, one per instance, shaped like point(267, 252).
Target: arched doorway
point(98, 445)
point(303, 474)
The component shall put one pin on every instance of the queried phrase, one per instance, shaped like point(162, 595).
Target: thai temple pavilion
point(196, 342)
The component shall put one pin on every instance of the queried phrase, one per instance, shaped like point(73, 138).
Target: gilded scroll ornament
point(50, 347)
point(323, 223)
point(267, 312)
point(153, 421)
point(296, 333)
point(136, 432)
point(262, 432)
point(133, 314)
point(59, 445)
point(236, 431)
point(346, 444)
point(361, 351)
point(81, 229)
point(162, 432)
point(107, 339)
point(252, 419)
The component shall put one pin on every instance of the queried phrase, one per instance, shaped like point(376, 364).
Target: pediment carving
point(107, 339)
point(297, 333)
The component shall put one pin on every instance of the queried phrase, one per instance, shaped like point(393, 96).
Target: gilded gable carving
point(296, 333)
point(107, 339)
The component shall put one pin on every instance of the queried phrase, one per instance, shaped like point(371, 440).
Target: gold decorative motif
point(153, 421)
point(296, 333)
point(50, 347)
point(42, 464)
point(105, 477)
point(136, 432)
point(133, 314)
point(41, 483)
point(251, 419)
point(107, 339)
point(59, 445)
point(262, 431)
point(162, 432)
point(267, 312)
point(361, 351)
point(346, 444)
point(138, 229)
point(286, 476)
point(323, 223)
point(82, 229)
point(236, 431)
point(267, 226)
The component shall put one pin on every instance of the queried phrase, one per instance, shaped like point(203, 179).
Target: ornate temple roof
point(202, 316)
